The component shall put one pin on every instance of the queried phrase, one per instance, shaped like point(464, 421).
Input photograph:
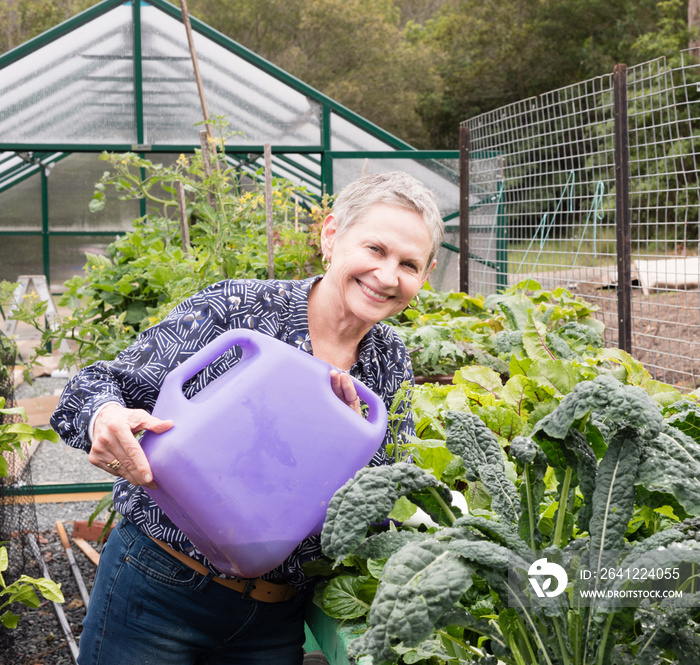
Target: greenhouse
point(119, 77)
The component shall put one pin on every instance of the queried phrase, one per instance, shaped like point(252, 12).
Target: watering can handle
point(242, 337)
point(377, 415)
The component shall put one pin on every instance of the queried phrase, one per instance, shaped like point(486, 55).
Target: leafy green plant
point(584, 460)
point(423, 590)
point(152, 268)
point(22, 590)
point(446, 332)
point(106, 503)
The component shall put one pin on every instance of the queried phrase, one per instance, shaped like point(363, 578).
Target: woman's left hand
point(344, 388)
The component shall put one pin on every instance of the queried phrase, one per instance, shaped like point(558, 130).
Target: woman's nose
point(388, 274)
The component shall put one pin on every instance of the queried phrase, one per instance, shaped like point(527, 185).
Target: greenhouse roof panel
point(261, 107)
point(15, 167)
point(346, 135)
point(81, 88)
point(119, 76)
point(75, 89)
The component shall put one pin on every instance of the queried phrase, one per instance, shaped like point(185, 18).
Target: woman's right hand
point(113, 441)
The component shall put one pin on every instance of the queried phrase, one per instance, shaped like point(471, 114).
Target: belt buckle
point(249, 588)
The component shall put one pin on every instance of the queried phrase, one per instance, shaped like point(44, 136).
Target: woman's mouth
point(375, 295)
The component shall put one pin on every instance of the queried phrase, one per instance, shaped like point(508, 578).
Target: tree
point(20, 20)
point(694, 23)
point(498, 52)
point(670, 34)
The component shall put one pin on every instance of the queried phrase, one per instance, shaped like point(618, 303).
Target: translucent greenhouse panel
point(76, 89)
point(304, 171)
point(445, 276)
point(346, 135)
point(20, 255)
point(71, 186)
point(441, 179)
point(10, 166)
point(263, 108)
point(20, 206)
point(68, 256)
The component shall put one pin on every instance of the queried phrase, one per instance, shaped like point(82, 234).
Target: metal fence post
point(501, 241)
point(622, 210)
point(464, 209)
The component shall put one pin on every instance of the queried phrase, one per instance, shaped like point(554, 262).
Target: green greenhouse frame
point(118, 77)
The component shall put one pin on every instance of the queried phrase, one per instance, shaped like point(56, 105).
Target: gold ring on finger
point(115, 465)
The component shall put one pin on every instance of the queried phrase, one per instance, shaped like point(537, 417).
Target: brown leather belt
point(267, 592)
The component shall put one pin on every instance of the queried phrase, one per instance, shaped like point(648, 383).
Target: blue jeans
point(148, 608)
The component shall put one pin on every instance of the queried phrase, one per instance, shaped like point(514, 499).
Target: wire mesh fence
point(544, 204)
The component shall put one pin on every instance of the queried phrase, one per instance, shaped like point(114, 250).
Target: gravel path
point(56, 463)
point(44, 385)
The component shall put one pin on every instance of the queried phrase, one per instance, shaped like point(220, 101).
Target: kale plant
point(564, 489)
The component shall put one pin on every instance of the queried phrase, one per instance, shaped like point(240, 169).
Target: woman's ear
point(328, 233)
point(428, 271)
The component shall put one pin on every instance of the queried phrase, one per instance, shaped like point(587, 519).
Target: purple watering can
point(252, 460)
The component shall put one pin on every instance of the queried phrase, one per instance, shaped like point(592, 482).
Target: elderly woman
point(156, 598)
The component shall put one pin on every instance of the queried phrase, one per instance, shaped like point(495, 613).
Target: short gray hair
point(395, 188)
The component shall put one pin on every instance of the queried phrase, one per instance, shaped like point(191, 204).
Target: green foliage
point(492, 53)
point(150, 270)
point(420, 584)
point(469, 438)
point(372, 494)
point(446, 332)
point(23, 590)
point(670, 36)
point(106, 503)
point(14, 434)
point(20, 20)
point(586, 460)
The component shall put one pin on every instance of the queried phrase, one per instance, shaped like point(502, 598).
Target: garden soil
point(665, 322)
point(665, 332)
point(38, 639)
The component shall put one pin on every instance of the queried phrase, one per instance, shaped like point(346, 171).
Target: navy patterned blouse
point(277, 308)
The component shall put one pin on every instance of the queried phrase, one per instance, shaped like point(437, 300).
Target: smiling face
point(378, 264)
